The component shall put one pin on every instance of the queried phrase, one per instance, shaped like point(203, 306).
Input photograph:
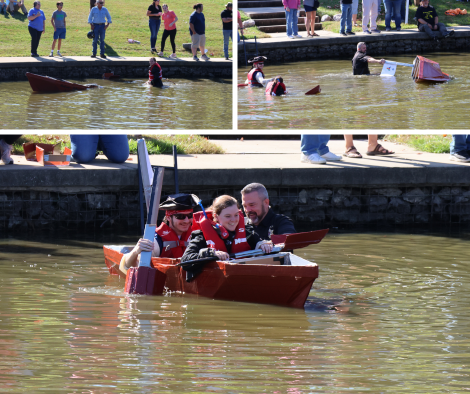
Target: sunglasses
point(182, 216)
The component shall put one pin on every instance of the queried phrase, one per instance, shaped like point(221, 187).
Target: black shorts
point(308, 8)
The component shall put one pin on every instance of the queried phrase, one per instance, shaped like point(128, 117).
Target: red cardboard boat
point(280, 279)
point(425, 70)
point(44, 84)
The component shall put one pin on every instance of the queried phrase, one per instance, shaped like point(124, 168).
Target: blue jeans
point(100, 32)
point(154, 25)
point(459, 143)
point(227, 35)
point(396, 6)
point(314, 143)
point(84, 147)
point(291, 22)
point(346, 17)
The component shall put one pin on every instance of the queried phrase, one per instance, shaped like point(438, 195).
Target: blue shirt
point(97, 16)
point(197, 19)
point(37, 23)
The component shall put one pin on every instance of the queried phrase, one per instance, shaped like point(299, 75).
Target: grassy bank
point(156, 144)
point(252, 32)
point(423, 143)
point(129, 21)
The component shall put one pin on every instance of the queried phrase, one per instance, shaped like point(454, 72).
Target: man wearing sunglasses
point(97, 19)
point(172, 236)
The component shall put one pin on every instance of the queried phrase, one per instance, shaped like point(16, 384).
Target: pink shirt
point(169, 17)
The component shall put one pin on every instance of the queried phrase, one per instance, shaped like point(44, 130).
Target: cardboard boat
point(425, 70)
point(47, 154)
point(279, 279)
point(44, 84)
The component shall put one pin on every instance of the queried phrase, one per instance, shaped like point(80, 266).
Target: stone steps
point(283, 29)
point(260, 3)
point(275, 22)
point(280, 21)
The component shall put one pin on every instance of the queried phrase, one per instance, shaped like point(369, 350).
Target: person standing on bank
point(360, 61)
point(97, 19)
point(260, 215)
point(310, 7)
point(197, 30)
point(226, 16)
point(291, 7)
point(346, 18)
point(58, 23)
point(36, 26)
point(169, 20)
point(154, 12)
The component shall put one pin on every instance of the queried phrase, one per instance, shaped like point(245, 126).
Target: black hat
point(258, 59)
point(179, 202)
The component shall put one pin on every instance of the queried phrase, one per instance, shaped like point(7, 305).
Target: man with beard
point(255, 201)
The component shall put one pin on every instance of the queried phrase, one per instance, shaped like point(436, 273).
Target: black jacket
point(273, 223)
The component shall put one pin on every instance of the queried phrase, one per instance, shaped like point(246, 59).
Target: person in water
point(222, 233)
point(256, 76)
point(360, 61)
point(155, 73)
point(172, 236)
point(276, 87)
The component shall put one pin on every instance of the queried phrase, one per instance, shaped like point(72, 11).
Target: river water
point(389, 313)
point(120, 104)
point(358, 102)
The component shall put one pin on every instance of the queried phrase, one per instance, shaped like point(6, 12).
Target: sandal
point(380, 151)
point(352, 153)
point(315, 35)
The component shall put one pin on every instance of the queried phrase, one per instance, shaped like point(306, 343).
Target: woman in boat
point(223, 232)
point(172, 236)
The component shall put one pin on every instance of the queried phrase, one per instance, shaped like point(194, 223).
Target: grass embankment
point(156, 144)
point(331, 7)
point(129, 20)
point(251, 32)
point(423, 143)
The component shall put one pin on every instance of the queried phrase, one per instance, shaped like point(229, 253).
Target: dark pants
point(10, 139)
point(100, 33)
point(154, 26)
point(35, 38)
point(172, 35)
point(92, 3)
point(157, 83)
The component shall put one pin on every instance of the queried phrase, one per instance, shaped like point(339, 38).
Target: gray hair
point(360, 44)
point(256, 187)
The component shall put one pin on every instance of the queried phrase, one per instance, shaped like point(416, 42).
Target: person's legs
point(314, 143)
point(115, 147)
point(427, 29)
point(373, 14)
point(53, 45)
point(95, 39)
point(460, 142)
point(397, 8)
point(194, 44)
point(165, 34)
point(308, 19)
point(59, 44)
point(355, 6)
point(35, 37)
point(295, 21)
point(102, 37)
point(23, 8)
point(153, 33)
point(388, 13)
point(343, 18)
point(349, 18)
point(289, 22)
point(365, 13)
point(84, 147)
point(348, 138)
point(442, 29)
point(226, 38)
point(172, 40)
point(403, 10)
point(202, 45)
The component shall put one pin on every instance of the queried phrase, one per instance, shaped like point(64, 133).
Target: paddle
point(242, 85)
point(315, 90)
point(389, 68)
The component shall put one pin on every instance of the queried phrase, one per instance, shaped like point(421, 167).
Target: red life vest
point(160, 74)
point(252, 77)
point(213, 239)
point(173, 247)
point(272, 90)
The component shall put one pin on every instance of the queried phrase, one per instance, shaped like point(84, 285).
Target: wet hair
point(360, 44)
point(256, 187)
point(196, 6)
point(222, 202)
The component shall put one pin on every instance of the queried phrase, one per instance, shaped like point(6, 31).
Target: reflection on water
point(356, 102)
point(121, 104)
point(389, 313)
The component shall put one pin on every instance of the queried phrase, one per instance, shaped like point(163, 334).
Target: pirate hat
point(258, 59)
point(179, 202)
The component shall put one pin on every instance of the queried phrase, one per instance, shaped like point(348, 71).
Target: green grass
point(156, 144)
point(129, 19)
point(423, 143)
point(252, 32)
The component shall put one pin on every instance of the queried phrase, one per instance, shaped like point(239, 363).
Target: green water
point(389, 313)
point(121, 104)
point(358, 102)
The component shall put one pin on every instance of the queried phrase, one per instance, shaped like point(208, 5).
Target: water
point(358, 102)
point(126, 104)
point(389, 313)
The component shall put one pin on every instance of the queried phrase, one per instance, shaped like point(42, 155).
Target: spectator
point(373, 149)
point(460, 147)
point(346, 18)
point(6, 147)
point(226, 16)
point(97, 18)
point(360, 61)
point(394, 5)
point(197, 30)
point(369, 14)
point(428, 22)
point(3, 7)
point(154, 12)
point(155, 73)
point(58, 23)
point(36, 26)
point(355, 7)
point(114, 147)
point(169, 20)
point(291, 7)
point(310, 7)
point(15, 6)
point(315, 150)
point(240, 25)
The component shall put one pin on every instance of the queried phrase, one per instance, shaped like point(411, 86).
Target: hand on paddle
point(222, 255)
point(265, 246)
point(144, 245)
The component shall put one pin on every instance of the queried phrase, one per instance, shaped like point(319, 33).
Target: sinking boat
point(425, 70)
point(44, 84)
point(280, 278)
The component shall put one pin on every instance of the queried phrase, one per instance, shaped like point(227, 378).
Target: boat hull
point(43, 84)
point(286, 285)
point(425, 70)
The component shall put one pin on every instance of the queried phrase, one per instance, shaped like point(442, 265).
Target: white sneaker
point(51, 54)
point(288, 36)
point(297, 36)
point(59, 54)
point(330, 156)
point(314, 158)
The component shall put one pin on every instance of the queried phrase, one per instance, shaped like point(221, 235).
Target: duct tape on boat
point(57, 157)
